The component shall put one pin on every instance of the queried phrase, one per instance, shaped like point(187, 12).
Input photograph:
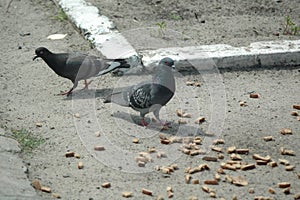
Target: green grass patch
point(175, 16)
point(161, 28)
point(290, 27)
point(27, 140)
point(61, 15)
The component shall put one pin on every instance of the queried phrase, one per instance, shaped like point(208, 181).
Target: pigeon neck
point(164, 76)
point(55, 62)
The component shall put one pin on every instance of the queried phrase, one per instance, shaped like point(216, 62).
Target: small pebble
point(126, 194)
point(80, 165)
point(46, 189)
point(56, 195)
point(97, 133)
point(271, 191)
point(76, 155)
point(251, 190)
point(38, 124)
point(135, 140)
point(106, 185)
point(36, 184)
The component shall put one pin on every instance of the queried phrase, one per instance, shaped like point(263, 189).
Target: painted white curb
point(101, 31)
point(258, 54)
point(97, 28)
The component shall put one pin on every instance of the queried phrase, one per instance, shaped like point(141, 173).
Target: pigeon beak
point(35, 57)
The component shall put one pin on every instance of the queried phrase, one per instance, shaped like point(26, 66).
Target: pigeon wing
point(81, 66)
point(136, 96)
point(140, 97)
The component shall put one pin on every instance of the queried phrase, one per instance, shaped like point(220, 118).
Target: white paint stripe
point(268, 53)
point(97, 28)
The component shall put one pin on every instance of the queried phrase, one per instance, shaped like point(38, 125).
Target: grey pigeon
point(78, 66)
point(150, 96)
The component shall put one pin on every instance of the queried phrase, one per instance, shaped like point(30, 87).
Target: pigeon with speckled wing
point(149, 96)
point(78, 66)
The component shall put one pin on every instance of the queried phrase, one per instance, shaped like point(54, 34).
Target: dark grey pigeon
point(78, 66)
point(149, 96)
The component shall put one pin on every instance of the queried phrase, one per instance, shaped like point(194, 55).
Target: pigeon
point(149, 96)
point(78, 66)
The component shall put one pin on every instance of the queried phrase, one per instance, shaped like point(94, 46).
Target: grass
point(61, 15)
point(290, 28)
point(161, 28)
point(175, 16)
point(26, 139)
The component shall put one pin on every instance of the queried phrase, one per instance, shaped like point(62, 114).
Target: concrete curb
point(14, 183)
point(101, 31)
point(258, 54)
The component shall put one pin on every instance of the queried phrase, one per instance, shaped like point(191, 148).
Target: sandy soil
point(28, 96)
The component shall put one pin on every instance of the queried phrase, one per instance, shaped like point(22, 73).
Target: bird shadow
point(91, 93)
point(183, 130)
point(103, 93)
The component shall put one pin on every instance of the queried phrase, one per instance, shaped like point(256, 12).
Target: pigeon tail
point(132, 61)
point(117, 98)
point(111, 67)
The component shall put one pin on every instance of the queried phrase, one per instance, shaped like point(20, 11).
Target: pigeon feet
point(64, 93)
point(160, 123)
point(68, 93)
point(143, 123)
point(164, 123)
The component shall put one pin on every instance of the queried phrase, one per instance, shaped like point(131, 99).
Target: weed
point(26, 140)
point(290, 28)
point(91, 44)
point(161, 28)
point(61, 15)
point(174, 16)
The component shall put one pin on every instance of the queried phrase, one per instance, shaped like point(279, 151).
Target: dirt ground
point(29, 88)
point(235, 22)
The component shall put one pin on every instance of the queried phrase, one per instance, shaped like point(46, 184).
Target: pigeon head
point(167, 61)
point(41, 52)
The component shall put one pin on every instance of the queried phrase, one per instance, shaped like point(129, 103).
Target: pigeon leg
point(68, 93)
point(143, 123)
point(86, 84)
point(164, 123)
point(160, 122)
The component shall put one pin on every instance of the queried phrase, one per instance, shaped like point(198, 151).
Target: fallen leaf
point(57, 36)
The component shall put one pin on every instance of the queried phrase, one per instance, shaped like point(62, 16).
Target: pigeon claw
point(166, 123)
point(143, 123)
point(68, 93)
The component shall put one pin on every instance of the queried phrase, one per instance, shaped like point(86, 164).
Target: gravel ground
point(28, 97)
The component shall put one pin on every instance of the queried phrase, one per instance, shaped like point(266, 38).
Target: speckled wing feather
point(140, 97)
